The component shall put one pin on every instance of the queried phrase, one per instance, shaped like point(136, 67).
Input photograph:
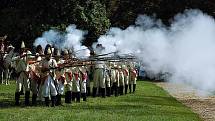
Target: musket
point(81, 50)
point(66, 66)
point(105, 54)
point(110, 59)
point(33, 62)
point(42, 55)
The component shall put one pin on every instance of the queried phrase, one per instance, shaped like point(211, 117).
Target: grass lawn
point(149, 103)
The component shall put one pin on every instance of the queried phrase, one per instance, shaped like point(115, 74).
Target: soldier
point(99, 78)
point(132, 78)
point(60, 77)
point(121, 79)
point(76, 84)
point(126, 77)
point(35, 74)
point(90, 69)
point(40, 83)
point(108, 80)
point(89, 77)
point(23, 76)
point(114, 79)
point(83, 82)
point(68, 79)
point(48, 77)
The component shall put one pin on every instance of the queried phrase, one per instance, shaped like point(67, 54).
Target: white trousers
point(49, 87)
point(83, 86)
point(60, 88)
point(22, 81)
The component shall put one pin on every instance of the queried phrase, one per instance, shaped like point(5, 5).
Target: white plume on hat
point(49, 51)
point(23, 45)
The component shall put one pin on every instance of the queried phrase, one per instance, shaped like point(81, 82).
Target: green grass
point(149, 103)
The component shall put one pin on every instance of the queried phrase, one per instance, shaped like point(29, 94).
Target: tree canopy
point(26, 20)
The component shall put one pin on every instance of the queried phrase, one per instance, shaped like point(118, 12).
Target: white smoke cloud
point(185, 49)
point(52, 37)
point(70, 39)
point(73, 40)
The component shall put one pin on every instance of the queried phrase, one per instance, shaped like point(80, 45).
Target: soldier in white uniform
point(121, 79)
point(114, 79)
point(48, 77)
point(107, 79)
point(60, 77)
point(132, 78)
point(89, 78)
point(68, 79)
point(23, 76)
point(76, 84)
point(83, 82)
point(35, 74)
point(98, 77)
point(126, 77)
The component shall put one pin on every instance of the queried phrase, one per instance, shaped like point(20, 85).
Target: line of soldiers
point(50, 74)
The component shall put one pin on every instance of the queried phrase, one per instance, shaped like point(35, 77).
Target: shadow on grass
point(137, 102)
point(6, 103)
point(6, 100)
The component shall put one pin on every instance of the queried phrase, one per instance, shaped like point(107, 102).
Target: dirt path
point(203, 105)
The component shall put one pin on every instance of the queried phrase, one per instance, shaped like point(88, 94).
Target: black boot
point(100, 92)
point(73, 96)
point(47, 101)
point(34, 99)
point(53, 99)
point(126, 89)
point(21, 92)
point(58, 102)
point(103, 92)
point(78, 97)
point(113, 88)
point(68, 97)
point(88, 91)
point(108, 91)
point(129, 88)
point(94, 91)
point(17, 96)
point(84, 96)
point(116, 91)
point(121, 90)
point(134, 87)
point(27, 96)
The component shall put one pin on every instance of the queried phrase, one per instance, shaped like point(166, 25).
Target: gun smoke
point(185, 49)
point(70, 39)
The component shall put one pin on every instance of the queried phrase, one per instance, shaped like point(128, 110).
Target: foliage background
point(27, 19)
